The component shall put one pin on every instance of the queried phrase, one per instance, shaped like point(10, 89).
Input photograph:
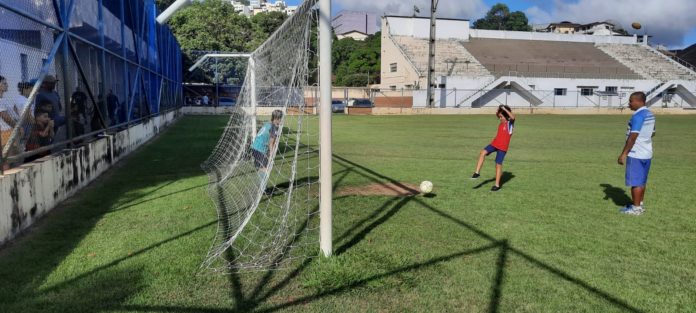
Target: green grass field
point(551, 241)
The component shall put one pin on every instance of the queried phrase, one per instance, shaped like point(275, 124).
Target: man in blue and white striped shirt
point(638, 152)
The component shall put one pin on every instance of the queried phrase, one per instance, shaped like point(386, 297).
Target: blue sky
point(670, 22)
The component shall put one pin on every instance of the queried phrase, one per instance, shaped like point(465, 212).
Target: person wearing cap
point(47, 93)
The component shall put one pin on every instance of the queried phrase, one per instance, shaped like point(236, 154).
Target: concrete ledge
point(492, 110)
point(33, 189)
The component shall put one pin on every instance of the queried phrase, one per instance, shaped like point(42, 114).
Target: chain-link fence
point(73, 69)
point(557, 98)
point(216, 79)
point(561, 98)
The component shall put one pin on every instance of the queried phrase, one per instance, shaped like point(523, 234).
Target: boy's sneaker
point(475, 176)
point(495, 188)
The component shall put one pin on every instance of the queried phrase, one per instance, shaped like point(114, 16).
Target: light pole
point(431, 52)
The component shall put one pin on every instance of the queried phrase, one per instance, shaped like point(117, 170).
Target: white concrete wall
point(467, 92)
point(419, 27)
point(32, 190)
point(498, 34)
point(226, 110)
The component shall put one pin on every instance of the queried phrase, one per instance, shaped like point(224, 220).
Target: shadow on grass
point(264, 290)
point(506, 177)
point(266, 287)
point(615, 194)
point(128, 205)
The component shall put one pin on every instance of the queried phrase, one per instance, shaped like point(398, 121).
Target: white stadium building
point(478, 68)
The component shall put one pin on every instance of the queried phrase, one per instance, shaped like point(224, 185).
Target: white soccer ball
point(426, 186)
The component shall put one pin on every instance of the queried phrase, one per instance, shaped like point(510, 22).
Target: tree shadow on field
point(615, 194)
point(506, 177)
point(264, 296)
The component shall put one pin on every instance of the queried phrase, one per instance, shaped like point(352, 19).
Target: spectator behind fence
point(24, 89)
point(7, 122)
point(122, 113)
point(206, 100)
point(96, 121)
point(24, 119)
point(48, 93)
point(78, 112)
point(42, 133)
point(112, 106)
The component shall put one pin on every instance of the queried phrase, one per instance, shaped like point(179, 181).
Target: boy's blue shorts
point(637, 171)
point(260, 159)
point(499, 155)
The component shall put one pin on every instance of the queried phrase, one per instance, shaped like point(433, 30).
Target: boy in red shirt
point(499, 145)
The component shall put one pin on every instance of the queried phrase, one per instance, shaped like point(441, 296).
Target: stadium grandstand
point(489, 67)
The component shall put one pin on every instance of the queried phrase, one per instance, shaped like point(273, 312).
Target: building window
point(560, 91)
point(586, 91)
point(392, 88)
point(392, 67)
point(24, 63)
point(611, 89)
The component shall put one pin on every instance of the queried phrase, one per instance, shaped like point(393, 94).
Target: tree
point(265, 24)
point(499, 17)
point(517, 21)
point(163, 4)
point(212, 25)
point(358, 62)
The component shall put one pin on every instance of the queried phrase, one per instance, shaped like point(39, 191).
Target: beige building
point(397, 70)
point(404, 60)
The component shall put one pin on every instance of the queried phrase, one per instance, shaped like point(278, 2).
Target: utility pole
point(431, 52)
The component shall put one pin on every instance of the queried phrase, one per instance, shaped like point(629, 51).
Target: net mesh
point(265, 187)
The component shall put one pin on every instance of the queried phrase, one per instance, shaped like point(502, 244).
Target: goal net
point(263, 173)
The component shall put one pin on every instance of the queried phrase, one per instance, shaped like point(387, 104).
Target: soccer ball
point(426, 186)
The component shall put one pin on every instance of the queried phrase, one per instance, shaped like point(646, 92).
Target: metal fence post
point(577, 99)
point(217, 84)
point(66, 90)
point(2, 158)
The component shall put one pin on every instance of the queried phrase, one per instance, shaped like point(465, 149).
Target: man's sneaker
point(632, 210)
point(495, 188)
point(475, 176)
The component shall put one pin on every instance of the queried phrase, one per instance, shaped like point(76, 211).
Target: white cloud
point(472, 9)
point(667, 20)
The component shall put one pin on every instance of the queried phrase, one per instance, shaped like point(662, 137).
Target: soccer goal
point(264, 173)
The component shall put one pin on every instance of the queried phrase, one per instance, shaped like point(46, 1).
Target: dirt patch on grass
point(380, 189)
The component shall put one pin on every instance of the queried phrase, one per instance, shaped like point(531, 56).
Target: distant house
point(356, 25)
point(605, 28)
point(564, 27)
point(356, 35)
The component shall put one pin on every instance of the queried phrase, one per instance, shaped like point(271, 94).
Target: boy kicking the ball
point(499, 145)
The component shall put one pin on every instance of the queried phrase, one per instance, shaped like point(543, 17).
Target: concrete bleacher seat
point(646, 62)
point(451, 57)
point(546, 58)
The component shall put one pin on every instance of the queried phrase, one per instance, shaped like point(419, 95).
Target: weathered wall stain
point(36, 188)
